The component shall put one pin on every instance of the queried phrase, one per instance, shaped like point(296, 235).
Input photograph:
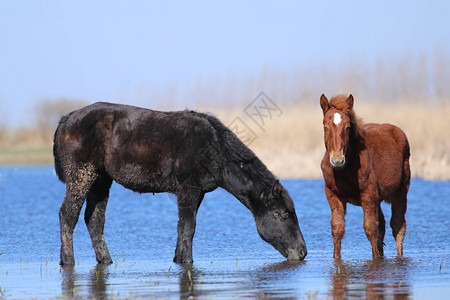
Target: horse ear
point(324, 103)
point(350, 102)
point(277, 188)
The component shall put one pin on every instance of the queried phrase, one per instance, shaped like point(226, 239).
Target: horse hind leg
point(78, 183)
point(94, 217)
point(398, 222)
point(399, 204)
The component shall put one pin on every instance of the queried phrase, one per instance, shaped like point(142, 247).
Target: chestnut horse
point(364, 165)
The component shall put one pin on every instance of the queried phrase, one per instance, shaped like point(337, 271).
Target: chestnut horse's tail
point(406, 165)
point(56, 155)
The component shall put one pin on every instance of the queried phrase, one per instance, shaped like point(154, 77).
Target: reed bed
point(291, 145)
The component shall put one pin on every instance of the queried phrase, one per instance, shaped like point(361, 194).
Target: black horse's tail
point(56, 155)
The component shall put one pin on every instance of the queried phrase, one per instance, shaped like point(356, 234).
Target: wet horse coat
point(186, 153)
point(364, 165)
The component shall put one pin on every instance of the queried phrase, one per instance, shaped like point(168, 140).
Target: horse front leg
point(189, 200)
point(338, 209)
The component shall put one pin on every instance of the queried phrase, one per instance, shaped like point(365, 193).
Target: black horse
point(185, 152)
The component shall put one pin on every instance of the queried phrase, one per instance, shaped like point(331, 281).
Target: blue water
point(230, 259)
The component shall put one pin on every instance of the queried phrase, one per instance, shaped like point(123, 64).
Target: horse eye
point(348, 128)
point(325, 128)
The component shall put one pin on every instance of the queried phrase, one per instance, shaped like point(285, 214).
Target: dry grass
point(291, 145)
point(25, 147)
point(26, 156)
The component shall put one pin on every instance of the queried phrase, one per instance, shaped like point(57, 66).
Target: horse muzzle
point(337, 162)
point(297, 254)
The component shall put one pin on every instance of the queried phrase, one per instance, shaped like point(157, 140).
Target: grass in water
point(190, 280)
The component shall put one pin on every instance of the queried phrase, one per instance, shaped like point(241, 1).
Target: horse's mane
point(340, 103)
point(235, 150)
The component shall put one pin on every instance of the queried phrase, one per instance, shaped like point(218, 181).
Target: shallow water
point(230, 258)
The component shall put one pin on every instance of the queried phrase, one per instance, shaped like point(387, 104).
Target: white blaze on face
point(337, 118)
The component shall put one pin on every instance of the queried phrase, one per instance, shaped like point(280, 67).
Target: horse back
point(382, 139)
point(142, 149)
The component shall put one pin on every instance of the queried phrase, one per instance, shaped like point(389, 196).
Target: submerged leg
point(77, 187)
point(338, 209)
point(189, 200)
point(398, 222)
point(371, 211)
point(94, 217)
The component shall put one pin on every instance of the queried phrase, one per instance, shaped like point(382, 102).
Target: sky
point(107, 50)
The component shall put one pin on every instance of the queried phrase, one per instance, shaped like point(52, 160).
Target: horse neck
point(247, 191)
point(355, 144)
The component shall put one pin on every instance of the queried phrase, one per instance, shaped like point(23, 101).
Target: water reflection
point(98, 278)
point(371, 279)
point(281, 267)
point(281, 274)
point(386, 278)
point(183, 281)
point(68, 281)
point(75, 284)
point(189, 279)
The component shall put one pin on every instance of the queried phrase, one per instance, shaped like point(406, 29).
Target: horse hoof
point(67, 262)
point(105, 261)
point(180, 260)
